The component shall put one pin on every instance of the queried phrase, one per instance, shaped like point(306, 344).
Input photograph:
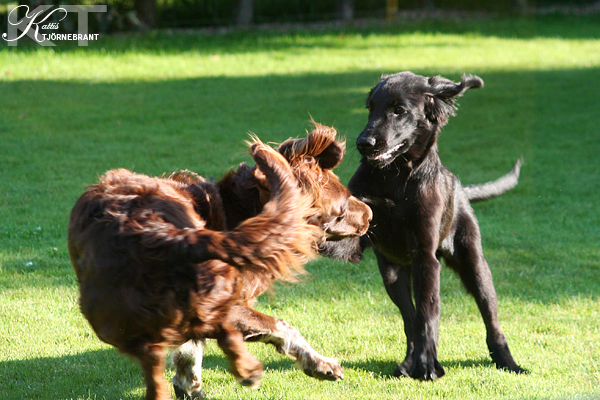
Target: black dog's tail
point(489, 190)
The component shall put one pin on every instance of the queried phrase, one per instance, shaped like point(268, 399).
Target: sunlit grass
point(165, 101)
point(159, 56)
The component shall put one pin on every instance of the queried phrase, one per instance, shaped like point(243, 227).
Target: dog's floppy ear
point(441, 99)
point(319, 145)
point(332, 156)
point(328, 152)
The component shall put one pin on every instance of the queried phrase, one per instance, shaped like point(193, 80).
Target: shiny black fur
point(421, 213)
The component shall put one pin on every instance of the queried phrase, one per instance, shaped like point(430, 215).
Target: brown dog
point(165, 261)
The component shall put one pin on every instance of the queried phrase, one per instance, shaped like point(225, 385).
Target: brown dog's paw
point(325, 368)
point(248, 373)
point(266, 157)
point(181, 394)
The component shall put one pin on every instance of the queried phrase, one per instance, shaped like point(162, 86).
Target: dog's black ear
point(446, 89)
point(374, 88)
point(441, 99)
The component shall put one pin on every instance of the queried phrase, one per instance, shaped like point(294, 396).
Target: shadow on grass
point(99, 374)
point(381, 369)
point(384, 369)
point(58, 137)
point(470, 363)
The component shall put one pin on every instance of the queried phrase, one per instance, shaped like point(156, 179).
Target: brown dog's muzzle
point(363, 215)
point(354, 221)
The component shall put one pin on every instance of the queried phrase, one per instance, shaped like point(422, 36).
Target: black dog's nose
point(365, 143)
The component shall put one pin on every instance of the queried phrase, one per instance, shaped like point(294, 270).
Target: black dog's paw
point(511, 367)
point(503, 359)
point(427, 369)
point(403, 370)
point(516, 369)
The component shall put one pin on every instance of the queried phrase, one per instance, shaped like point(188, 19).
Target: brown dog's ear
point(319, 144)
point(324, 148)
point(264, 189)
point(332, 156)
point(441, 99)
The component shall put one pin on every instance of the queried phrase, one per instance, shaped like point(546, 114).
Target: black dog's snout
point(365, 143)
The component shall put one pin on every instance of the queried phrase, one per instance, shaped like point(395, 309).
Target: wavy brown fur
point(315, 144)
point(162, 261)
point(154, 273)
point(272, 245)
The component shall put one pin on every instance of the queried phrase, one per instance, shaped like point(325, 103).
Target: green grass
point(160, 102)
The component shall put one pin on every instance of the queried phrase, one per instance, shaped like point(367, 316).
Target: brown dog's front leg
point(258, 327)
point(244, 366)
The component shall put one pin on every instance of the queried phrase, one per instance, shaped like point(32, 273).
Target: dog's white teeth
point(388, 154)
point(383, 156)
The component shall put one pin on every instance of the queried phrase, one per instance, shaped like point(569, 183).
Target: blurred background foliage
point(126, 15)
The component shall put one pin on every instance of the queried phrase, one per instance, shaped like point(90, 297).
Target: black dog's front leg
point(426, 285)
point(397, 282)
point(426, 282)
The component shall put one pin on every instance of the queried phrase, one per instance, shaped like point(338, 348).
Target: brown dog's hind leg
point(153, 361)
point(244, 366)
point(258, 327)
point(187, 359)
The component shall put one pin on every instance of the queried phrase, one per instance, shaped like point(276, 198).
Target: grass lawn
point(165, 101)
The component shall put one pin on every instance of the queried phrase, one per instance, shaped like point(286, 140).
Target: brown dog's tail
point(489, 190)
point(274, 244)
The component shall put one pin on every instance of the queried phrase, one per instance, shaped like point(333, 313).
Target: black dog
point(421, 213)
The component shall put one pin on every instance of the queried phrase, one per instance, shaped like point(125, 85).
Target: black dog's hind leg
point(397, 282)
point(476, 276)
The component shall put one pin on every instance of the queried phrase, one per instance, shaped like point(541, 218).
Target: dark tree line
point(244, 14)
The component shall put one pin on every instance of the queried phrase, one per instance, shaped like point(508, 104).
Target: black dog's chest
point(390, 229)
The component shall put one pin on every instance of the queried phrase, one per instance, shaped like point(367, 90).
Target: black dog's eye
point(399, 111)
